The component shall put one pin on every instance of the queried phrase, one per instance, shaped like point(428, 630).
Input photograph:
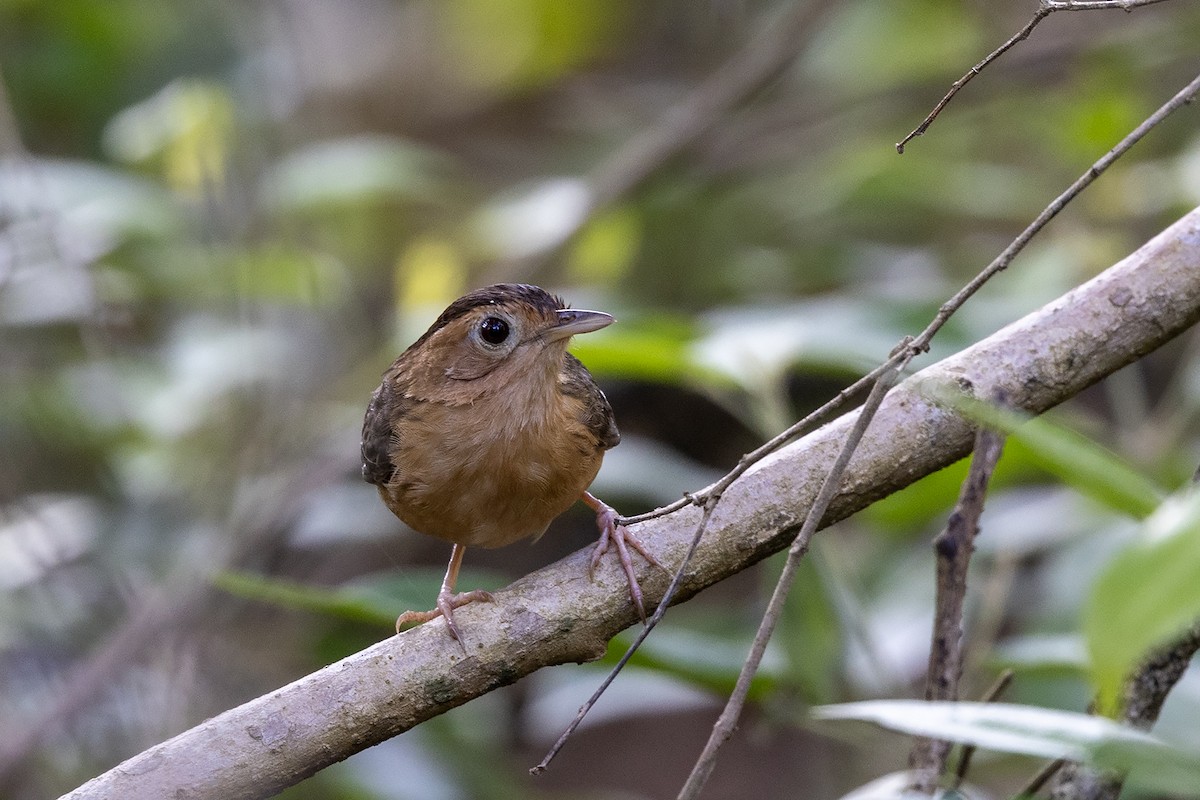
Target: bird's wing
point(377, 434)
point(577, 381)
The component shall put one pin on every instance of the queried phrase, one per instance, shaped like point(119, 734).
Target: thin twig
point(990, 696)
point(1045, 9)
point(953, 546)
point(726, 723)
point(921, 342)
point(1041, 14)
point(708, 500)
point(815, 419)
point(1096, 5)
point(1039, 780)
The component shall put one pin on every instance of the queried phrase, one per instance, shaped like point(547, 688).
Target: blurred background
point(220, 222)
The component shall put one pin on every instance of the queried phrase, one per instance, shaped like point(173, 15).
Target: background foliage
point(219, 222)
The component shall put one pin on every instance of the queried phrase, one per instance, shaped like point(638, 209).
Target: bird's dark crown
point(533, 296)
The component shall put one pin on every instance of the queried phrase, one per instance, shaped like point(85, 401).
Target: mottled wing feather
point(377, 433)
point(578, 382)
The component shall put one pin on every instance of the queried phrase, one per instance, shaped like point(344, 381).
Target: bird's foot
point(446, 603)
point(611, 532)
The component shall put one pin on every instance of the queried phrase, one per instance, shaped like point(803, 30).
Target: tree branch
point(953, 548)
point(556, 615)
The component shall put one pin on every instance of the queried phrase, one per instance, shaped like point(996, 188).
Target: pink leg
point(610, 531)
point(447, 600)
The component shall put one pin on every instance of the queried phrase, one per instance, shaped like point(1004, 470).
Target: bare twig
point(727, 722)
point(1039, 780)
point(902, 354)
point(556, 615)
point(1020, 35)
point(990, 696)
point(953, 546)
point(1045, 9)
point(1097, 5)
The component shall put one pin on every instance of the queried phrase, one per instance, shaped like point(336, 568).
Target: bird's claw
point(612, 532)
point(446, 603)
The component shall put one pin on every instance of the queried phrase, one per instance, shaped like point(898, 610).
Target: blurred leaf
point(532, 219)
point(1044, 652)
point(185, 128)
point(1148, 594)
point(891, 42)
point(374, 600)
point(1033, 731)
point(604, 250)
point(810, 631)
point(656, 349)
point(755, 346)
point(919, 503)
point(642, 467)
point(355, 170)
point(517, 44)
point(430, 273)
point(45, 531)
point(898, 786)
point(1072, 457)
point(353, 606)
point(95, 206)
point(284, 275)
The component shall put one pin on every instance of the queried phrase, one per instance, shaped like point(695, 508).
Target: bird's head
point(493, 338)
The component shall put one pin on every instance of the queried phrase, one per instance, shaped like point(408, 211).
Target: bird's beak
point(575, 320)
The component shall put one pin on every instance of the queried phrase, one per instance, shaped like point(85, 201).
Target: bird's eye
point(493, 330)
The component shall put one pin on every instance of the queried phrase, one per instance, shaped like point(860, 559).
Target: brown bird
point(486, 429)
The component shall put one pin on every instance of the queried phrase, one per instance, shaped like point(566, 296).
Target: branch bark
point(556, 615)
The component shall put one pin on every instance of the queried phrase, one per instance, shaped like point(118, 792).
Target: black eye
point(493, 330)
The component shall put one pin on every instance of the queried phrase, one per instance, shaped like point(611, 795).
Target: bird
point(486, 429)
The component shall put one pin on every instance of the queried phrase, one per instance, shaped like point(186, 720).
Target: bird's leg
point(610, 531)
point(447, 600)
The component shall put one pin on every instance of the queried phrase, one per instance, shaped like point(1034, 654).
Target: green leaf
point(290, 594)
point(1077, 460)
point(1028, 730)
point(1147, 595)
point(657, 350)
point(374, 601)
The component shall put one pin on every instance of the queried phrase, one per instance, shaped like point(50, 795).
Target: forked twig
point(1045, 9)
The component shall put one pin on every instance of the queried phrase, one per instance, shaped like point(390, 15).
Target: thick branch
point(556, 615)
